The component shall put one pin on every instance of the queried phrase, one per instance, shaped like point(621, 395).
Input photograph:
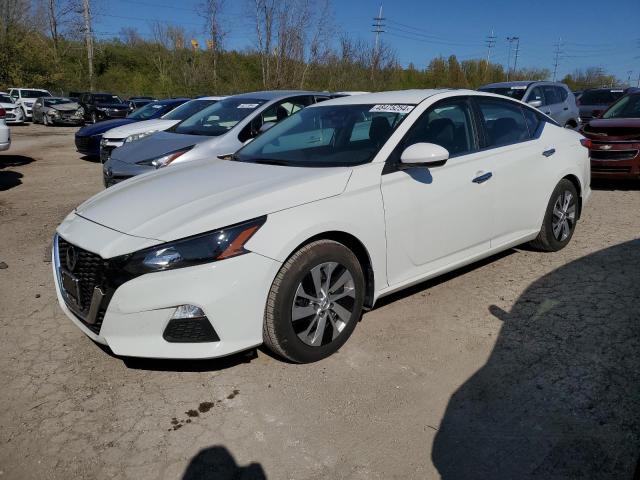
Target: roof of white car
point(210, 98)
point(410, 97)
point(276, 94)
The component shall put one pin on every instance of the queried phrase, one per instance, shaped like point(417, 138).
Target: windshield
point(151, 110)
point(5, 99)
point(516, 92)
point(327, 136)
point(626, 107)
point(219, 118)
point(187, 109)
point(107, 99)
point(34, 93)
point(56, 101)
point(600, 97)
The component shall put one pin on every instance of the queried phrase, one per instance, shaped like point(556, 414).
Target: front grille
point(82, 143)
point(90, 270)
point(190, 330)
point(609, 169)
point(105, 152)
point(614, 154)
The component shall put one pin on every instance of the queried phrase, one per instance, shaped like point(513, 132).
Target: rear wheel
point(560, 218)
point(314, 303)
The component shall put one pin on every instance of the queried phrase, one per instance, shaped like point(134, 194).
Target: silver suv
point(553, 98)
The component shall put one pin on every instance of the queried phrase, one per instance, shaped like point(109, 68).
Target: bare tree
point(58, 15)
point(211, 11)
point(130, 36)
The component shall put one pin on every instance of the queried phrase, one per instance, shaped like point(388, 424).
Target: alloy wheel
point(323, 304)
point(564, 216)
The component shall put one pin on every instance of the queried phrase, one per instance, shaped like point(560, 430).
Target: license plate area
point(71, 286)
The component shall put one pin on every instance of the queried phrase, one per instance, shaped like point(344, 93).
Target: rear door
point(512, 135)
point(553, 104)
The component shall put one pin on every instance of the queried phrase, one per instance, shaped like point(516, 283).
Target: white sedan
point(5, 132)
point(310, 223)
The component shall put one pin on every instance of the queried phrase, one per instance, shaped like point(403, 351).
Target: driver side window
point(447, 124)
point(536, 95)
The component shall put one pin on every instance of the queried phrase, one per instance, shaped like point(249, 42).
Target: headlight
point(165, 160)
point(138, 136)
point(53, 113)
point(79, 112)
point(204, 248)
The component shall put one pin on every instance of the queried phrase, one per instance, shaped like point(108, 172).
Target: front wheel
point(314, 303)
point(560, 218)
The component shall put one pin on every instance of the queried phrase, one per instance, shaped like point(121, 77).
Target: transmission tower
point(511, 40)
point(378, 27)
point(556, 59)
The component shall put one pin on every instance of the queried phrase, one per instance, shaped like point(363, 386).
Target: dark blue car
point(88, 137)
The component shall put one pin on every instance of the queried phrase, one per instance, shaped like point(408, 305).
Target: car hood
point(101, 127)
point(613, 129)
point(204, 195)
point(140, 127)
point(65, 107)
point(155, 146)
point(119, 106)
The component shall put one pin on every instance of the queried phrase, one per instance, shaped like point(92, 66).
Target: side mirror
point(424, 155)
point(266, 126)
point(535, 103)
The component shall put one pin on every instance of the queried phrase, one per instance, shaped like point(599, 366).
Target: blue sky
point(602, 33)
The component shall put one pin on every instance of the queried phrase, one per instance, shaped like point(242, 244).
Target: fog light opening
point(188, 311)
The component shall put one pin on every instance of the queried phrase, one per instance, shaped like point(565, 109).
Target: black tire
point(549, 240)
point(279, 333)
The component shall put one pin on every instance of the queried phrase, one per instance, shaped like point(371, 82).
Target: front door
point(441, 216)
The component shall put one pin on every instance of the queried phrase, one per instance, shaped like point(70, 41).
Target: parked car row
point(283, 215)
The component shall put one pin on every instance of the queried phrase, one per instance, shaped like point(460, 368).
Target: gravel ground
point(523, 366)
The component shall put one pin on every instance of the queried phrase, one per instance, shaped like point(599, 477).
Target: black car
point(103, 106)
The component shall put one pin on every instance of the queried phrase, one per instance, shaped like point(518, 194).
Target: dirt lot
point(524, 366)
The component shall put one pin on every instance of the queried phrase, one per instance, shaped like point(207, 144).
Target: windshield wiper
point(268, 161)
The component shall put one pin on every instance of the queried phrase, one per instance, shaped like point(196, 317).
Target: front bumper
point(115, 171)
point(108, 145)
point(88, 145)
point(615, 160)
point(232, 293)
point(14, 116)
point(63, 120)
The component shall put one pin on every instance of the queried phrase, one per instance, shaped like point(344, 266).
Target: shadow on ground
point(559, 397)
point(9, 178)
point(615, 184)
point(217, 463)
point(169, 365)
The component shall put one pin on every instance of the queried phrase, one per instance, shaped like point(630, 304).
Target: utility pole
point(556, 60)
point(88, 38)
point(511, 40)
point(629, 72)
point(515, 61)
point(378, 27)
point(490, 41)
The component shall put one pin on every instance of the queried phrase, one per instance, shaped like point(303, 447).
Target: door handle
point(566, 108)
point(483, 178)
point(549, 152)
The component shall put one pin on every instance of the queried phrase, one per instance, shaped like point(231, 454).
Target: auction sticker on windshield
point(248, 105)
point(392, 108)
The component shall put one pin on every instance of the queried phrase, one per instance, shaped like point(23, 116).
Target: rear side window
point(563, 94)
point(551, 94)
point(503, 121)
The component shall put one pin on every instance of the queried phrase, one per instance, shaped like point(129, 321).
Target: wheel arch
point(576, 183)
point(360, 251)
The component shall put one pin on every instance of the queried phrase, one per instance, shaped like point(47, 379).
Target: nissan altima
point(305, 227)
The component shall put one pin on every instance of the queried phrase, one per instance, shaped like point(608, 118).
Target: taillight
point(3, 113)
point(586, 142)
